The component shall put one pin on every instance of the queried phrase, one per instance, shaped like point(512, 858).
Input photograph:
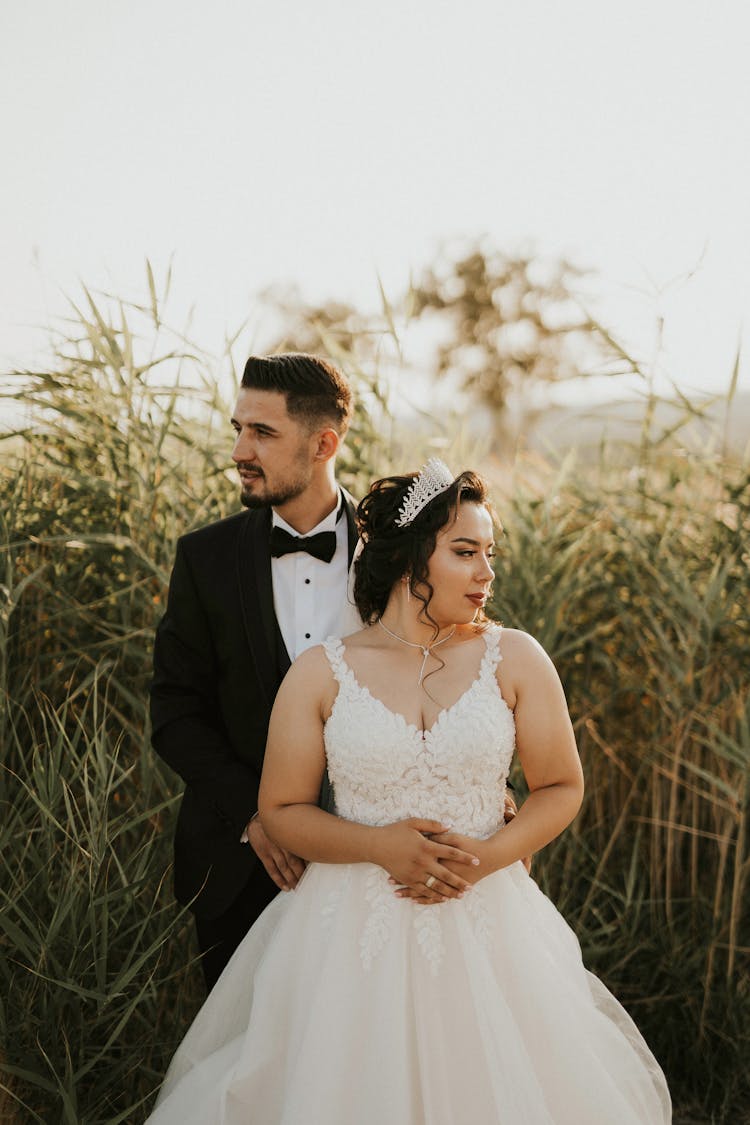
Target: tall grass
point(123, 447)
point(104, 474)
point(92, 941)
point(637, 583)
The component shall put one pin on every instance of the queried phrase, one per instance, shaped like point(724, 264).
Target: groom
point(247, 595)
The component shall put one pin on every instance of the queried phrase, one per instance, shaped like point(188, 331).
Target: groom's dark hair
point(316, 392)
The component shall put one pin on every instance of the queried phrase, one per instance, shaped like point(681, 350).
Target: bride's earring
point(408, 589)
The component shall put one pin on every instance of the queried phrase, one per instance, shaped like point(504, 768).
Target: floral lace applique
point(429, 931)
point(383, 769)
point(476, 908)
point(332, 900)
point(383, 902)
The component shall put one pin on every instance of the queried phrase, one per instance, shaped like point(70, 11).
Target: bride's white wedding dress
point(346, 1005)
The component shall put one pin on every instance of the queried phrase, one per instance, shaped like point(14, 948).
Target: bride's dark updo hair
point(391, 552)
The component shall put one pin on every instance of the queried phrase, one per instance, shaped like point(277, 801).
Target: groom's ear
point(326, 445)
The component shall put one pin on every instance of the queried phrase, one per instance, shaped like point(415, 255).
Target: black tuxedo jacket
point(219, 659)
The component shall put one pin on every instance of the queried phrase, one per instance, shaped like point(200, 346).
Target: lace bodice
point(384, 768)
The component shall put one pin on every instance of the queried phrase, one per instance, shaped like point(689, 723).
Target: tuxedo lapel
point(256, 599)
point(351, 523)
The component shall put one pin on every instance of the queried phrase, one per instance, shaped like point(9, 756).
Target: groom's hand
point(283, 867)
point(509, 811)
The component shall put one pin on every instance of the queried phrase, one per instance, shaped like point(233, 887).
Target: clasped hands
point(430, 863)
point(408, 850)
point(425, 860)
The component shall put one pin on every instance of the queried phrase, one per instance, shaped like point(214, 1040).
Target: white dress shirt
point(309, 595)
point(313, 599)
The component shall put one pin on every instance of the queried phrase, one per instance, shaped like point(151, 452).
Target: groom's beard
point(273, 496)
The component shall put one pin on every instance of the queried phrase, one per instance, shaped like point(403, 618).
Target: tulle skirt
point(346, 1005)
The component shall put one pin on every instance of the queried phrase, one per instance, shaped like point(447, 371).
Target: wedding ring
point(430, 881)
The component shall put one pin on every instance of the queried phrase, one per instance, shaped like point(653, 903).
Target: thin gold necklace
point(426, 649)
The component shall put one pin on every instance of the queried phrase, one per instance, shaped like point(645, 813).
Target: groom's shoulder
point(220, 533)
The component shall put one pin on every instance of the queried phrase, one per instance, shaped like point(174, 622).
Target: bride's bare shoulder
point(362, 636)
point(367, 637)
point(313, 666)
point(522, 651)
point(518, 640)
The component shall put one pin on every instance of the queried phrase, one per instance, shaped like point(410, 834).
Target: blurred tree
point(510, 325)
point(315, 328)
point(364, 341)
point(501, 328)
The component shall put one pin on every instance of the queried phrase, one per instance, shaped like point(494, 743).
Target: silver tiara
point(433, 478)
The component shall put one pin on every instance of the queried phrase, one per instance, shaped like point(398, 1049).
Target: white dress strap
point(492, 654)
point(334, 649)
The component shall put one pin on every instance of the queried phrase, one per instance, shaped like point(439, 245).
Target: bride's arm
point(290, 784)
point(547, 751)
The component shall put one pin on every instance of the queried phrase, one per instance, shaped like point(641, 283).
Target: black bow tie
point(321, 546)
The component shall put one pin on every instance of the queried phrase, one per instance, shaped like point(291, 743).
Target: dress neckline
point(491, 640)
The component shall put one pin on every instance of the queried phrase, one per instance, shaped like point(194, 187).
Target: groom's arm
point(187, 729)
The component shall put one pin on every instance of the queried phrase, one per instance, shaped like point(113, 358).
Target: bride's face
point(460, 568)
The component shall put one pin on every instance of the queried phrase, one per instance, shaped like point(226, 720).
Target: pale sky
point(324, 142)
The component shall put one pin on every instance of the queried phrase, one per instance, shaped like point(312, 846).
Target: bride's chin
point(456, 620)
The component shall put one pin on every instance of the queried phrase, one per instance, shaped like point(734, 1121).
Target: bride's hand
point(455, 840)
point(479, 868)
point(411, 855)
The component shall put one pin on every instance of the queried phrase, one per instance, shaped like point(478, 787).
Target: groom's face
point(272, 452)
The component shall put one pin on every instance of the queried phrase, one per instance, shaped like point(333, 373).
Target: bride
point(417, 975)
